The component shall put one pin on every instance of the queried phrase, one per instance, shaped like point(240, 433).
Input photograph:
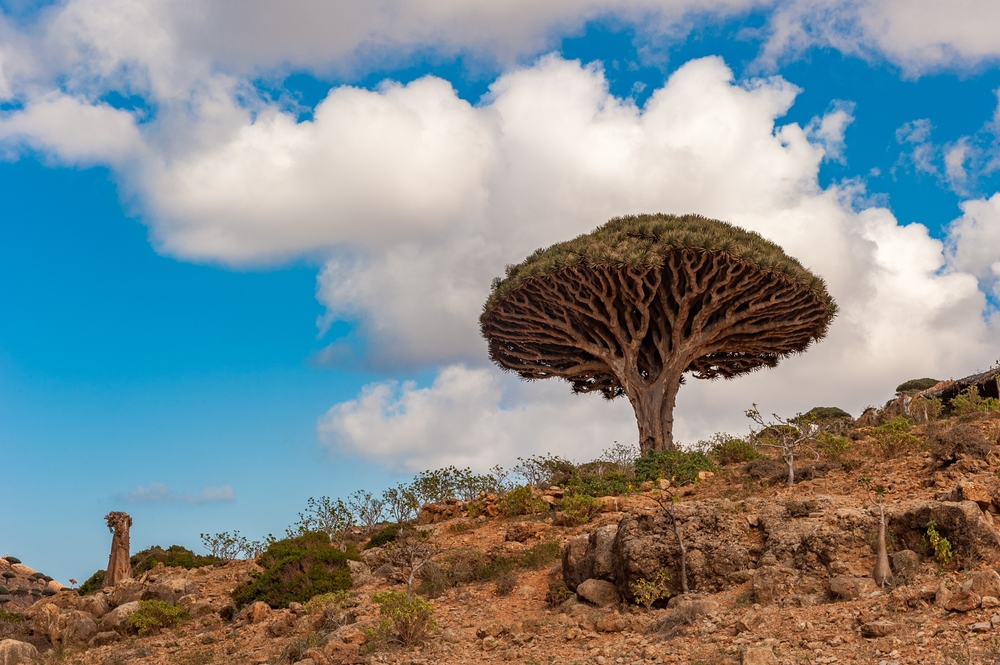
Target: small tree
point(881, 573)
point(789, 437)
point(408, 554)
point(331, 517)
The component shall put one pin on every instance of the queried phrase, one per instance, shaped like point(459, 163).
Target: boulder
point(361, 574)
point(610, 623)
point(759, 656)
point(599, 592)
point(962, 522)
point(126, 591)
point(984, 583)
point(339, 653)
point(572, 555)
point(879, 628)
point(969, 490)
point(963, 601)
point(258, 612)
point(596, 562)
point(851, 588)
point(117, 619)
point(349, 635)
point(15, 652)
point(102, 639)
point(42, 617)
point(95, 604)
point(773, 584)
point(168, 590)
point(904, 562)
point(72, 627)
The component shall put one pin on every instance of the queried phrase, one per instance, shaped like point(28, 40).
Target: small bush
point(940, 545)
point(677, 466)
point(969, 402)
point(384, 536)
point(832, 446)
point(174, 556)
point(646, 592)
point(558, 593)
point(154, 615)
point(547, 470)
point(519, 501)
point(295, 570)
point(894, 438)
point(579, 508)
point(339, 599)
point(732, 450)
point(299, 645)
point(962, 439)
point(916, 385)
point(541, 554)
point(583, 481)
point(507, 583)
point(92, 584)
point(411, 619)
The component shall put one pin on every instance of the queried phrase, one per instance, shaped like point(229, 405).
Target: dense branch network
point(605, 327)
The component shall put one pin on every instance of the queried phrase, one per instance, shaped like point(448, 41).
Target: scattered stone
point(879, 628)
point(490, 643)
point(982, 627)
point(349, 635)
point(527, 592)
point(963, 601)
point(904, 562)
point(748, 622)
point(984, 583)
point(611, 623)
point(100, 639)
point(338, 653)
point(989, 602)
point(258, 612)
point(490, 630)
point(943, 594)
point(598, 592)
point(759, 656)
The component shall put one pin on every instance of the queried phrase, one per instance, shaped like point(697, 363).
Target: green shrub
point(92, 584)
point(410, 619)
point(894, 438)
point(646, 592)
point(339, 599)
point(832, 446)
point(174, 556)
point(384, 536)
point(295, 570)
point(612, 484)
point(519, 501)
point(578, 508)
point(10, 617)
point(916, 385)
point(558, 593)
point(733, 450)
point(969, 402)
point(156, 614)
point(677, 466)
point(939, 544)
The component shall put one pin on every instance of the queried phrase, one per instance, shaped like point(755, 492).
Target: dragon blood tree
point(119, 564)
point(632, 307)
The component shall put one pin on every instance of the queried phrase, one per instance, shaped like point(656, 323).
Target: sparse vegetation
point(406, 620)
point(677, 466)
point(174, 556)
point(916, 385)
point(645, 592)
point(894, 438)
point(969, 402)
point(521, 501)
point(940, 546)
point(154, 615)
point(578, 508)
point(92, 584)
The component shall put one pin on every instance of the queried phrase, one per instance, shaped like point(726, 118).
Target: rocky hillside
point(776, 574)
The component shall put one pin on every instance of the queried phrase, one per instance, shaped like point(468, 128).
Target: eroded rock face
point(15, 652)
point(787, 586)
point(599, 592)
point(117, 619)
point(961, 522)
point(72, 627)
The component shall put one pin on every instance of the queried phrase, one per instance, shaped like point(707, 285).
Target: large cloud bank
point(416, 198)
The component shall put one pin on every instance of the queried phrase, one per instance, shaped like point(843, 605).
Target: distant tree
point(632, 307)
point(119, 565)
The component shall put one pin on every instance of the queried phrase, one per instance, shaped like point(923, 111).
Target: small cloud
point(828, 130)
point(160, 493)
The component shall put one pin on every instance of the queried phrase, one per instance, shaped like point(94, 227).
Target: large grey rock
point(600, 592)
point(101, 639)
point(168, 590)
point(590, 558)
point(572, 556)
point(72, 627)
point(904, 562)
point(15, 652)
point(774, 584)
point(117, 619)
point(124, 592)
point(95, 604)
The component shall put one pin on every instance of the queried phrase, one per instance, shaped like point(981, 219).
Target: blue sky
point(233, 277)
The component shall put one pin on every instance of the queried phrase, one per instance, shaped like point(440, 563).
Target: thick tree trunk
point(654, 412)
point(882, 573)
point(119, 564)
point(790, 461)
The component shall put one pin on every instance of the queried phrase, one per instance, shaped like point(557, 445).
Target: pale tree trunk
point(654, 411)
point(881, 573)
point(119, 565)
point(790, 461)
point(682, 547)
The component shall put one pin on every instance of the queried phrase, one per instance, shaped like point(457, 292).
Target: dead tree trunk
point(681, 546)
point(119, 564)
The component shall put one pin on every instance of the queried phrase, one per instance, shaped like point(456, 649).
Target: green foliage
point(825, 413)
point(582, 482)
point(926, 409)
point(174, 556)
point(295, 570)
point(339, 599)
point(10, 617)
point(639, 241)
point(544, 470)
point(411, 619)
point(916, 385)
point(894, 438)
point(329, 516)
point(832, 446)
point(940, 545)
point(156, 614)
point(92, 584)
point(519, 501)
point(386, 535)
point(227, 546)
point(678, 466)
point(725, 449)
point(401, 503)
point(540, 555)
point(578, 507)
point(969, 402)
point(453, 483)
point(646, 592)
